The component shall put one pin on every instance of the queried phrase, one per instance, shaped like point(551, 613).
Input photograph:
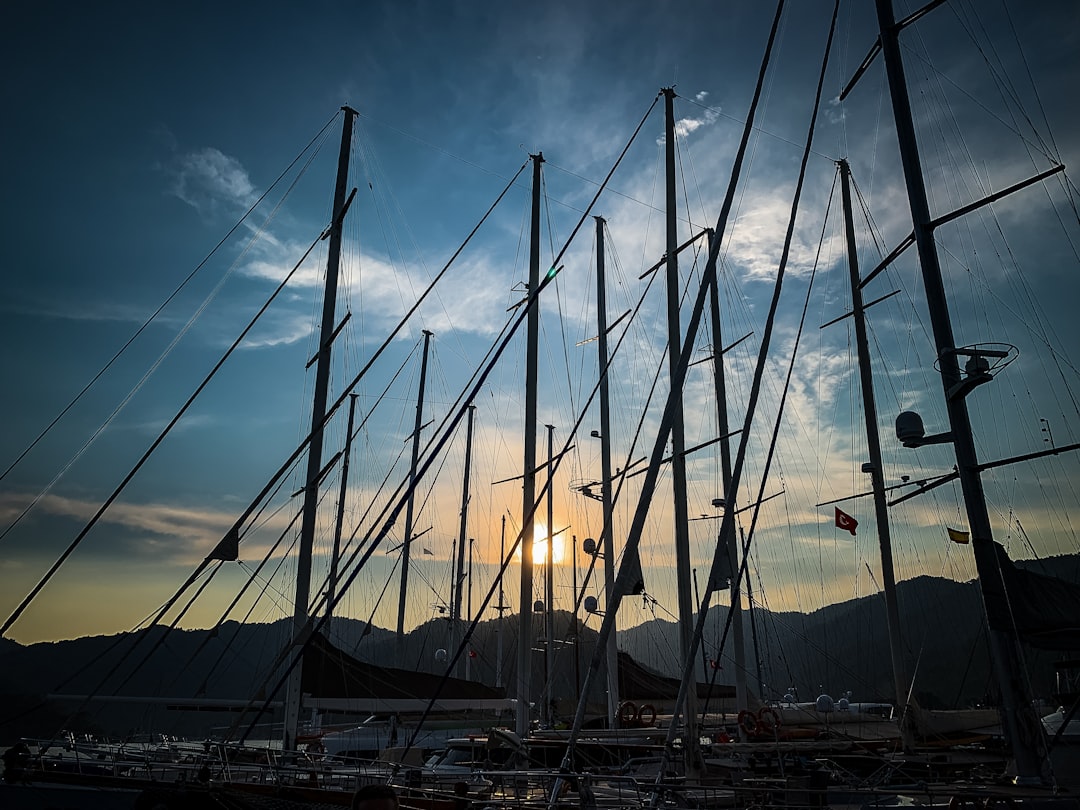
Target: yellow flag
point(958, 536)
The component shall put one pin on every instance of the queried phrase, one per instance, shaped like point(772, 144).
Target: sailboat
point(1058, 617)
point(305, 622)
point(305, 665)
point(1014, 610)
point(286, 766)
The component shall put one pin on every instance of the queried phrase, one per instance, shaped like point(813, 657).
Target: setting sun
point(540, 545)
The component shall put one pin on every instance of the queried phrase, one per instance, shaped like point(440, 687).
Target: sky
point(138, 136)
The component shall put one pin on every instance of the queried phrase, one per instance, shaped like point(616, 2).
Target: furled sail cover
point(1045, 610)
point(331, 673)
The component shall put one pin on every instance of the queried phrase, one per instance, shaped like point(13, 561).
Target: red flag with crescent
point(845, 521)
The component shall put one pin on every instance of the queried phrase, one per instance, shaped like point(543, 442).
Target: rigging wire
point(59, 562)
point(320, 134)
point(172, 344)
point(495, 352)
point(746, 544)
point(658, 448)
point(252, 577)
point(144, 633)
point(154, 445)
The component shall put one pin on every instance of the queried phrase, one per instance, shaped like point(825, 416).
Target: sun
point(540, 545)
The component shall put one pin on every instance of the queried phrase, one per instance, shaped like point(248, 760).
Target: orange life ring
point(646, 709)
point(770, 726)
point(628, 712)
point(748, 721)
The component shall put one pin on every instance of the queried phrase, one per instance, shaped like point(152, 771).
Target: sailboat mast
point(574, 633)
point(468, 606)
point(528, 484)
point(459, 577)
point(500, 608)
point(407, 540)
point(876, 470)
point(549, 587)
point(753, 622)
point(1021, 726)
point(459, 570)
point(331, 580)
point(727, 540)
point(678, 454)
point(318, 415)
point(606, 535)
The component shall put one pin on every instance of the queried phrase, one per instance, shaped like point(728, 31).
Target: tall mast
point(459, 576)
point(574, 618)
point(1017, 714)
point(528, 484)
point(606, 532)
point(727, 540)
point(468, 607)
point(407, 540)
point(499, 608)
point(678, 455)
point(318, 415)
point(876, 470)
point(549, 587)
point(331, 580)
point(753, 623)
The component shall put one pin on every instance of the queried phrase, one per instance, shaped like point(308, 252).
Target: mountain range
point(834, 650)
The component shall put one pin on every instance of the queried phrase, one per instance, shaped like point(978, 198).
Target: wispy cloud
point(387, 290)
point(757, 239)
point(279, 329)
point(689, 124)
point(166, 531)
point(209, 180)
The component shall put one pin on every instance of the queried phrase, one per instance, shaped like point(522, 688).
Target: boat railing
point(105, 760)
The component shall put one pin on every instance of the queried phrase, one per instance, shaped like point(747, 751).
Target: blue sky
point(137, 135)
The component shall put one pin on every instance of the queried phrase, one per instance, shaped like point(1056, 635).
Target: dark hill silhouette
point(844, 646)
point(837, 648)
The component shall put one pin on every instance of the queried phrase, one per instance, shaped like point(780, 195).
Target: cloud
point(191, 421)
point(756, 240)
point(87, 310)
point(169, 532)
point(472, 298)
point(209, 180)
point(686, 126)
point(279, 329)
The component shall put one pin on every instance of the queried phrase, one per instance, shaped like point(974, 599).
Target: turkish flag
point(846, 521)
